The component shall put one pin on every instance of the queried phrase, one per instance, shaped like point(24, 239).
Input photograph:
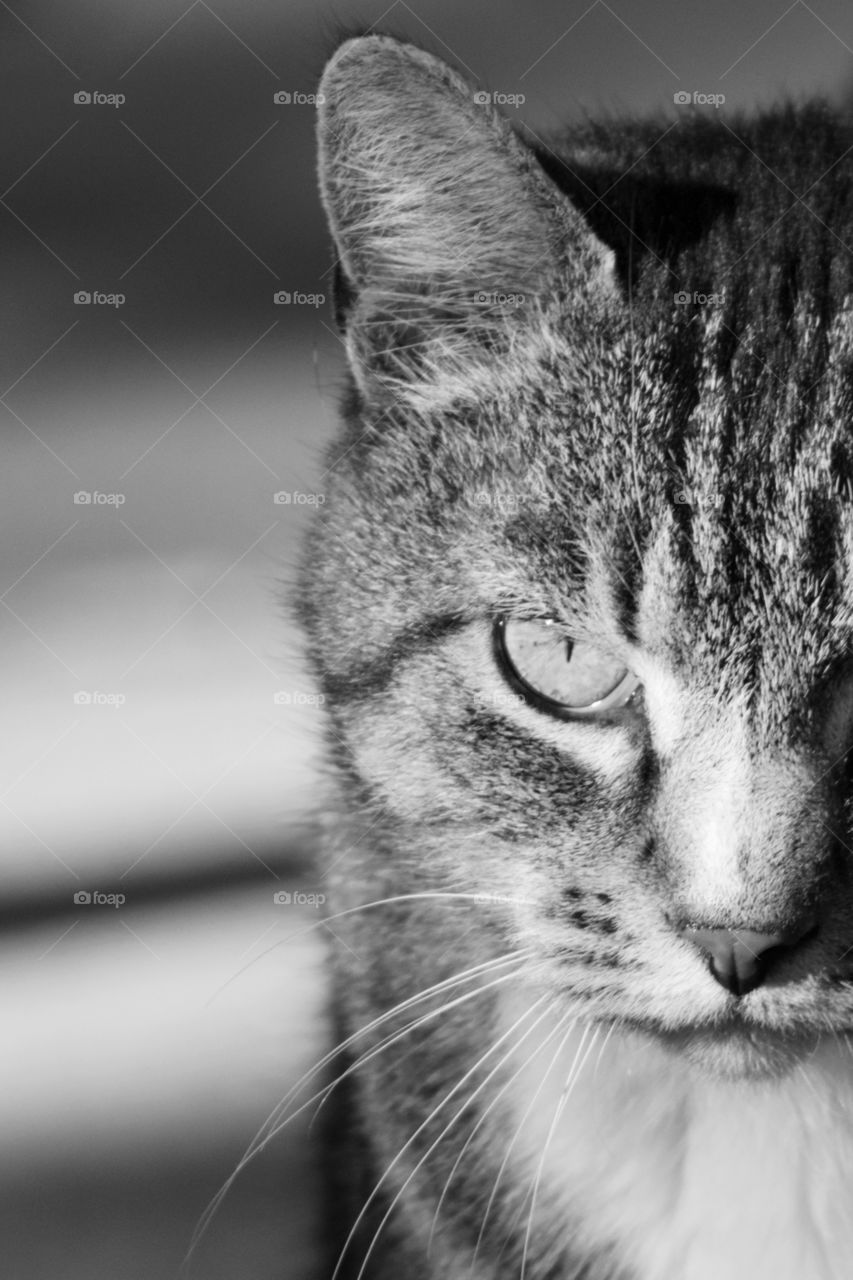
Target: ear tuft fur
point(448, 232)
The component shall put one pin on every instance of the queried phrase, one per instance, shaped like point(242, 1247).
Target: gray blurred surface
point(143, 1049)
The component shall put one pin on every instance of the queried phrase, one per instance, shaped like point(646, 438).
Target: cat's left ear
point(450, 237)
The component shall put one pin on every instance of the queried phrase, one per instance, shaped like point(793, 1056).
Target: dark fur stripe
point(366, 679)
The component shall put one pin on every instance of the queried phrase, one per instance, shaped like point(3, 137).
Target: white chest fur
point(692, 1179)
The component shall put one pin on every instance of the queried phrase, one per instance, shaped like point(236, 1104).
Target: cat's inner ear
point(443, 220)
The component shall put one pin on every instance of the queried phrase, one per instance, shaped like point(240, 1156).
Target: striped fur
point(539, 425)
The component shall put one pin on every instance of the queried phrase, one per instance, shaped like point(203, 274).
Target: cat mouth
point(736, 1047)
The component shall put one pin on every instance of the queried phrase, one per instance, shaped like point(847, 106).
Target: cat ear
point(450, 237)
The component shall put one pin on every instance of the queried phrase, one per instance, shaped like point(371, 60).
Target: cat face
point(581, 598)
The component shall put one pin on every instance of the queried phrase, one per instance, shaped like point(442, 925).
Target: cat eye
point(558, 675)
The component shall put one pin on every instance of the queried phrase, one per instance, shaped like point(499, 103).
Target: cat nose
point(740, 958)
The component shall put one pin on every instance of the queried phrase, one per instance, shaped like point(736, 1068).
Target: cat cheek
point(611, 753)
point(402, 770)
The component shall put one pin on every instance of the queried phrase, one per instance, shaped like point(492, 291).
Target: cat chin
point(740, 1052)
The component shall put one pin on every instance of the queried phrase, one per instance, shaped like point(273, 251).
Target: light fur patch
point(718, 814)
point(667, 702)
point(689, 1178)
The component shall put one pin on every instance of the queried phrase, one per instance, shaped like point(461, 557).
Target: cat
point(580, 605)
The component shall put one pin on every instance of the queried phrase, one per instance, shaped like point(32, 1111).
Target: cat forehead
point(739, 482)
point(724, 560)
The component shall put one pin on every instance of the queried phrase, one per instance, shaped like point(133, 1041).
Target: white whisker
point(424, 1125)
point(531, 1104)
point(274, 1125)
point(577, 1066)
point(365, 906)
point(386, 1043)
point(603, 1046)
point(494, 1102)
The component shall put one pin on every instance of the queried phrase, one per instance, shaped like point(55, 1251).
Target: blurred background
point(168, 381)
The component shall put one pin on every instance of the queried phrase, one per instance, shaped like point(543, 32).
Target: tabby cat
point(580, 602)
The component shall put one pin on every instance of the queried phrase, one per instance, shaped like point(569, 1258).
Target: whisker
point(573, 1076)
point(364, 906)
point(421, 1127)
point(420, 1021)
point(386, 1043)
point(531, 1104)
point(603, 1046)
point(274, 1125)
point(495, 1100)
point(439, 988)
